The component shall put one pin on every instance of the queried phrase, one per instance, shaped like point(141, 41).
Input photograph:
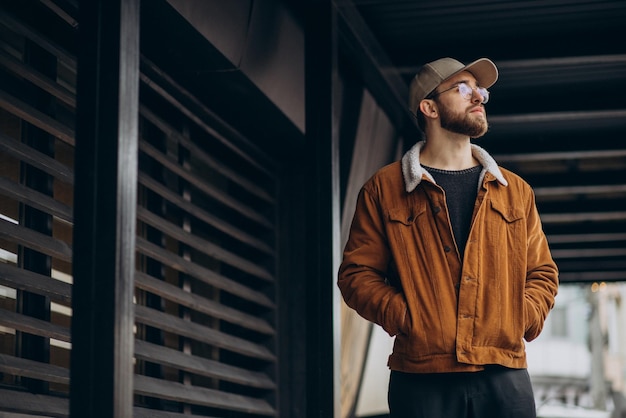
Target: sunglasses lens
point(484, 94)
point(465, 91)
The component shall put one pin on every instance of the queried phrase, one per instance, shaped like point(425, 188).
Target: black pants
point(497, 392)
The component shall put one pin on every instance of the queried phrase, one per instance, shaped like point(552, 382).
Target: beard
point(462, 124)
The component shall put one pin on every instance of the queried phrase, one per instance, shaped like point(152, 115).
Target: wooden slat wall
point(206, 252)
point(206, 219)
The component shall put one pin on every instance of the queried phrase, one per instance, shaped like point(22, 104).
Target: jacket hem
point(448, 363)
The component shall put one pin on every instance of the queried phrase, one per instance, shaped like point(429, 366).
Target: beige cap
point(432, 74)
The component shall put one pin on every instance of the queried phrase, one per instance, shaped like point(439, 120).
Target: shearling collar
point(413, 171)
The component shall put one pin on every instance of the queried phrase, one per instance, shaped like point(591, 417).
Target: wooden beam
point(322, 214)
point(589, 253)
point(577, 238)
point(549, 122)
point(565, 155)
point(554, 218)
point(105, 209)
point(580, 190)
point(584, 264)
point(381, 78)
point(592, 276)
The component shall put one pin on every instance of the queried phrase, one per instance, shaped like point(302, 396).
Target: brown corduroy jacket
point(401, 269)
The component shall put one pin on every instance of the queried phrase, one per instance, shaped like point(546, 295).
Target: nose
point(476, 96)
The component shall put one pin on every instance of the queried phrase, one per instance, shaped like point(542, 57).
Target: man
point(447, 253)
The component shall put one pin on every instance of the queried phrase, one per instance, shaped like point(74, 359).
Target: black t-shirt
point(461, 188)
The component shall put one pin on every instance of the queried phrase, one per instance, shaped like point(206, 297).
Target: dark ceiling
point(557, 113)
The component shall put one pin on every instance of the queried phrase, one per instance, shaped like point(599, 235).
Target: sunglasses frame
point(465, 91)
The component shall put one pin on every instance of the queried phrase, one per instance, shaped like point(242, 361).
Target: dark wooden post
point(105, 209)
point(322, 149)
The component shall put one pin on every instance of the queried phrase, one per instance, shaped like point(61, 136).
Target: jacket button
point(447, 249)
point(409, 219)
point(436, 209)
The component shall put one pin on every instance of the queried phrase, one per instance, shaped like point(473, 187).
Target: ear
point(428, 108)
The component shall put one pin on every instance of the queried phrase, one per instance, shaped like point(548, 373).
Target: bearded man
point(447, 254)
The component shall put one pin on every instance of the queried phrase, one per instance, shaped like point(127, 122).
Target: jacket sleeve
point(541, 275)
point(363, 271)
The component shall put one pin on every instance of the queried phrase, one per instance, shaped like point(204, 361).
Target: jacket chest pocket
point(409, 231)
point(406, 217)
point(505, 226)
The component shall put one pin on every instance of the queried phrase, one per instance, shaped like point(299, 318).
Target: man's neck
point(448, 153)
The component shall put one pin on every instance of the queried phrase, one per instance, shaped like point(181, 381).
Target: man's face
point(461, 115)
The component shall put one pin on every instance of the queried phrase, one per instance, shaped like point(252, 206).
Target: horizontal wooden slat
point(561, 155)
point(195, 395)
point(18, 278)
point(143, 350)
point(35, 117)
point(43, 41)
point(17, 366)
point(30, 403)
point(37, 159)
point(199, 154)
point(200, 333)
point(33, 326)
point(67, 11)
point(203, 274)
point(595, 237)
point(39, 242)
point(20, 415)
point(556, 218)
point(200, 304)
point(35, 199)
point(50, 373)
point(58, 291)
point(202, 215)
point(20, 69)
point(203, 117)
point(203, 245)
point(150, 352)
point(152, 413)
point(201, 366)
point(202, 185)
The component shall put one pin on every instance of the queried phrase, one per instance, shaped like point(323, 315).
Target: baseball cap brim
point(483, 69)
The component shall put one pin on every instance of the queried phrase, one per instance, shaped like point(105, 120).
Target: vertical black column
point(105, 209)
point(322, 217)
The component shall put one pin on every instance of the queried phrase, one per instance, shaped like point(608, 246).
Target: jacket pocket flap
point(405, 216)
point(510, 214)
